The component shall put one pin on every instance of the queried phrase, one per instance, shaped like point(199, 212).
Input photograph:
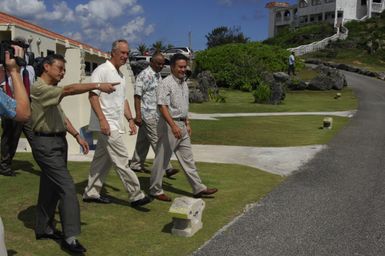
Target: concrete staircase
point(341, 34)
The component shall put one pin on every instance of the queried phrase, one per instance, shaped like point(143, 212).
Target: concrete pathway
point(333, 205)
point(277, 160)
point(214, 116)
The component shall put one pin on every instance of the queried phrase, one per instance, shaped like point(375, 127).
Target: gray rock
point(380, 75)
point(297, 85)
point(206, 83)
point(281, 77)
point(313, 61)
point(277, 88)
point(195, 96)
point(329, 78)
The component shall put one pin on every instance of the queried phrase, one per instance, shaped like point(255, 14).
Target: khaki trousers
point(167, 144)
point(147, 136)
point(111, 150)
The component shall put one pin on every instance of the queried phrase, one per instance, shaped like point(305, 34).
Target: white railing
point(377, 7)
point(319, 45)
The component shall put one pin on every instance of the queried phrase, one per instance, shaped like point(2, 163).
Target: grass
point(277, 131)
point(295, 101)
point(118, 229)
point(306, 74)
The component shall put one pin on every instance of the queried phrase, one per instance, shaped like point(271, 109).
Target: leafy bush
point(262, 94)
point(235, 65)
point(215, 96)
point(246, 87)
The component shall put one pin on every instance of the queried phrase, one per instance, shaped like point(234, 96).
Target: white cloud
point(61, 12)
point(97, 22)
point(23, 8)
point(74, 35)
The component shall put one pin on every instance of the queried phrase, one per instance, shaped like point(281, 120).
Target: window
point(88, 68)
point(303, 4)
point(49, 52)
point(316, 2)
point(363, 2)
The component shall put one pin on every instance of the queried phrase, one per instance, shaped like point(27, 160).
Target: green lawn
point(118, 229)
point(272, 131)
point(295, 101)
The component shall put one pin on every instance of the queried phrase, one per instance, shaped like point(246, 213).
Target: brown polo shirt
point(47, 115)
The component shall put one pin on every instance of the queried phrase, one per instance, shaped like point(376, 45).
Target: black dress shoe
point(75, 247)
point(57, 235)
point(99, 200)
point(7, 172)
point(171, 172)
point(140, 202)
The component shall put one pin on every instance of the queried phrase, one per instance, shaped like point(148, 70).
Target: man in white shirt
point(107, 117)
point(291, 68)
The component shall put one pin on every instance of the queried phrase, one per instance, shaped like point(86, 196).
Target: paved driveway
point(335, 204)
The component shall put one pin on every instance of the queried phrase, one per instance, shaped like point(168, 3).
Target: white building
point(81, 60)
point(336, 12)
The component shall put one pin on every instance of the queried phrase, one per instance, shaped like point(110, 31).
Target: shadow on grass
point(26, 166)
point(27, 216)
point(11, 252)
point(167, 228)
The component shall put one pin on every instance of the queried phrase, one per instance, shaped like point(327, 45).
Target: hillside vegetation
point(364, 47)
point(291, 37)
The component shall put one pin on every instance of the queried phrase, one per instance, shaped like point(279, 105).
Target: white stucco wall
point(309, 10)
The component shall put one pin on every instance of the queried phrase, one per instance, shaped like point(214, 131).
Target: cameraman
point(18, 108)
point(12, 128)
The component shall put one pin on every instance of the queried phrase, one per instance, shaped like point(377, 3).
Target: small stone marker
point(328, 122)
point(186, 213)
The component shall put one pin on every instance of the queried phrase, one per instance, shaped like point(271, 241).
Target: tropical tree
point(142, 48)
point(224, 35)
point(159, 46)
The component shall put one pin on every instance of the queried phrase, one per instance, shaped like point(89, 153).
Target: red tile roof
point(6, 18)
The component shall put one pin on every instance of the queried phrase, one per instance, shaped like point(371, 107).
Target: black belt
point(182, 119)
point(54, 134)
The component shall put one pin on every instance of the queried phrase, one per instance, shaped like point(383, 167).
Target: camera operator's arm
point(23, 108)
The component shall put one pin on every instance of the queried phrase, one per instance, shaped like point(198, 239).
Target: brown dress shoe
point(206, 192)
point(171, 172)
point(162, 197)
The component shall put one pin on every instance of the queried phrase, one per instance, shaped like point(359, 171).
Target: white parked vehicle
point(183, 50)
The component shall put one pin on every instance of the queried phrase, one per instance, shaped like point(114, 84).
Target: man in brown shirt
point(50, 125)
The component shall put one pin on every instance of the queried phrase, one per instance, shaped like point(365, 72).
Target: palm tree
point(142, 48)
point(159, 46)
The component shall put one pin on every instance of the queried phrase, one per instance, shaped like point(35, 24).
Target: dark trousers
point(56, 186)
point(291, 69)
point(10, 138)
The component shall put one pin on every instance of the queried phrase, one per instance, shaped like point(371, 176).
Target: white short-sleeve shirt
point(112, 104)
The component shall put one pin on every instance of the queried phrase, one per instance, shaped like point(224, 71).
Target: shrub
point(235, 65)
point(262, 94)
point(215, 96)
point(246, 87)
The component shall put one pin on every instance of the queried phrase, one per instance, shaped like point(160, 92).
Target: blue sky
point(98, 22)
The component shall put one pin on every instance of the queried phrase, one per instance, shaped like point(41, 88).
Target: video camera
point(7, 46)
